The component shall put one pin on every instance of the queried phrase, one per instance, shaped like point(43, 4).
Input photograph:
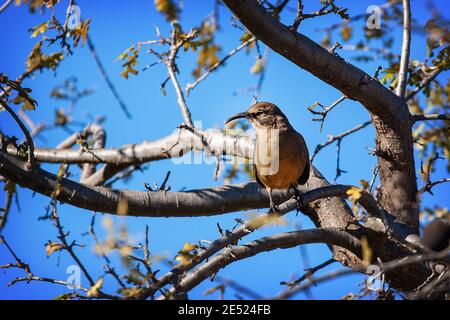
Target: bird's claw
point(274, 209)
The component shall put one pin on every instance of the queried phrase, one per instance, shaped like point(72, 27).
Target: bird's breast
point(280, 159)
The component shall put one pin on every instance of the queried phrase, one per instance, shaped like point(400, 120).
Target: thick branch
point(176, 145)
point(202, 202)
point(352, 81)
point(331, 236)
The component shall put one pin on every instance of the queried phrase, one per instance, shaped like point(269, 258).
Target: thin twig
point(31, 160)
point(332, 139)
point(325, 110)
point(309, 272)
point(105, 76)
point(191, 86)
point(424, 83)
point(175, 46)
point(430, 185)
point(425, 117)
point(5, 5)
point(4, 216)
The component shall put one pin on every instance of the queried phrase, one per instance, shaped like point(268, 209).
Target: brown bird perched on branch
point(281, 158)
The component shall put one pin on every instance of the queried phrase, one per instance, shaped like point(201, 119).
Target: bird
point(281, 157)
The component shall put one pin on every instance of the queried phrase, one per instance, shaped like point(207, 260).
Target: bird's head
point(263, 114)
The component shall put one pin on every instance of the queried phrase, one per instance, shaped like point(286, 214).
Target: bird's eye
point(257, 114)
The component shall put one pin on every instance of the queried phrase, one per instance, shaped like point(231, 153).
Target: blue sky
point(114, 27)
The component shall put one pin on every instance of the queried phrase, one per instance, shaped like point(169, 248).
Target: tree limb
point(331, 236)
point(404, 60)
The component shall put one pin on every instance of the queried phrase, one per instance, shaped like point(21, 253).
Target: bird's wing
point(305, 175)
point(255, 172)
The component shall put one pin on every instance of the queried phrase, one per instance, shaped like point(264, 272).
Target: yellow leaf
point(188, 247)
point(64, 296)
point(95, 289)
point(346, 32)
point(39, 29)
point(53, 247)
point(366, 250)
point(364, 183)
point(258, 220)
point(168, 8)
point(354, 193)
point(122, 207)
point(246, 36)
point(257, 67)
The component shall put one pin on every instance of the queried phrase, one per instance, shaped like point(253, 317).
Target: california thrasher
point(281, 158)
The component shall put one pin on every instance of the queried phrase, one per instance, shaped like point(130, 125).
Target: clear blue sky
point(114, 27)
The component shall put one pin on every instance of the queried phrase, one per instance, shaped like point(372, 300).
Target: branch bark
point(201, 202)
point(406, 44)
point(331, 236)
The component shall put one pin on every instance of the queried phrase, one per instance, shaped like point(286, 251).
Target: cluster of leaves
point(23, 94)
point(207, 55)
point(129, 58)
point(355, 193)
point(169, 8)
point(38, 61)
point(35, 5)
point(187, 253)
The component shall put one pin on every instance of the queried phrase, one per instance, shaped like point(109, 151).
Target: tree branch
point(331, 236)
point(29, 139)
point(202, 202)
point(424, 83)
point(425, 117)
point(191, 86)
point(105, 76)
point(404, 60)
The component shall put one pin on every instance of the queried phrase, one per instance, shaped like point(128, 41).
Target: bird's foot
point(298, 196)
point(274, 209)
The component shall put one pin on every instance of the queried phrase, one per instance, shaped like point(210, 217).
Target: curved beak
point(237, 116)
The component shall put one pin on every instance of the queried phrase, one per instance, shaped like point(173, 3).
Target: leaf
point(52, 247)
point(94, 291)
point(39, 29)
point(346, 32)
point(258, 67)
point(246, 36)
point(122, 207)
point(187, 254)
point(132, 293)
point(366, 250)
point(80, 33)
point(168, 8)
point(258, 220)
point(37, 60)
point(130, 55)
point(220, 288)
point(64, 296)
